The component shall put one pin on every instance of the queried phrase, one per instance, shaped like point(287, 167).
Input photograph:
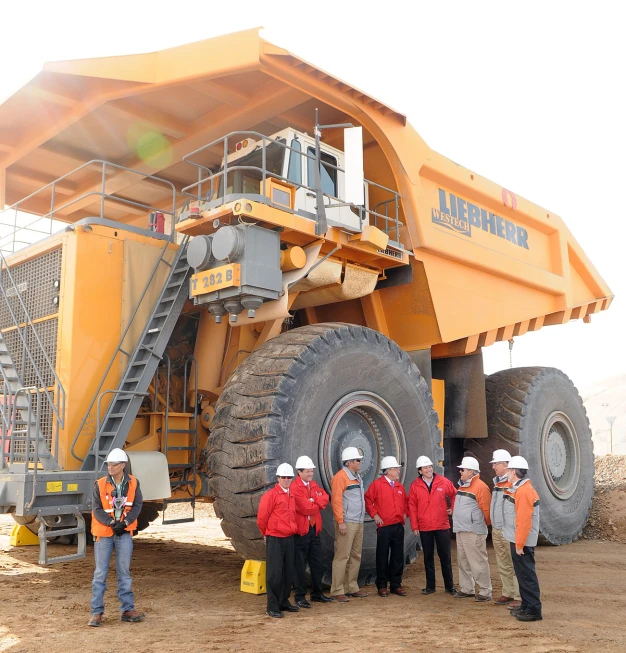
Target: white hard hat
point(117, 456)
point(304, 462)
point(517, 462)
point(389, 461)
point(501, 456)
point(350, 453)
point(284, 469)
point(423, 461)
point(469, 463)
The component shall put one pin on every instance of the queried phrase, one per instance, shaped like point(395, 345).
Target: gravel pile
point(607, 520)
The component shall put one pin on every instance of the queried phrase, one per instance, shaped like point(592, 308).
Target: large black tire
point(536, 412)
point(313, 391)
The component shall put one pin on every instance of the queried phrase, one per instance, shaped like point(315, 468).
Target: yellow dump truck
point(257, 262)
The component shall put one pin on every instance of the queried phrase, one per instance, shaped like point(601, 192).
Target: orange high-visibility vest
point(106, 497)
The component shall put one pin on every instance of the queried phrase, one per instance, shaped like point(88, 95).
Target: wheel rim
point(560, 455)
point(366, 421)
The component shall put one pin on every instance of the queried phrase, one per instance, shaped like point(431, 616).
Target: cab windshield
point(248, 182)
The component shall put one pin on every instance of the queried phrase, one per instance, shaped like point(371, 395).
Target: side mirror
point(353, 165)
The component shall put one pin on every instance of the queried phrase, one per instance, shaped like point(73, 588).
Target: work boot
point(459, 594)
point(303, 603)
point(132, 616)
point(96, 620)
point(479, 598)
point(515, 611)
point(514, 605)
point(429, 590)
point(323, 599)
point(383, 591)
point(341, 598)
point(528, 616)
point(399, 591)
point(503, 600)
point(358, 595)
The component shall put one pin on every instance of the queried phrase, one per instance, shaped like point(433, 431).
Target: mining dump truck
point(245, 260)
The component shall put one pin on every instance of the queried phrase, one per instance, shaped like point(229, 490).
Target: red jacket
point(277, 513)
point(429, 510)
point(306, 508)
point(388, 502)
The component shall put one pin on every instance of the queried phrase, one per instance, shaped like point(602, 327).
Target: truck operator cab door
point(332, 183)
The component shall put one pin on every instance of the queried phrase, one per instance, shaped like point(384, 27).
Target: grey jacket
point(497, 501)
point(510, 512)
point(353, 500)
point(470, 506)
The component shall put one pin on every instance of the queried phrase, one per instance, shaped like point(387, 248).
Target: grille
point(47, 332)
point(35, 282)
point(46, 421)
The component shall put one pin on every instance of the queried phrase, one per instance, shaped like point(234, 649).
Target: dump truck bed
point(488, 264)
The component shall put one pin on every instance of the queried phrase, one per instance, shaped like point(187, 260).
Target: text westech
point(459, 215)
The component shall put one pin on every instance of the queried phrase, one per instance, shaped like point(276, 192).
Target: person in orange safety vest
point(117, 502)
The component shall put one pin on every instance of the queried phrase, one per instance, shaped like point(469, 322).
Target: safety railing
point(19, 231)
point(212, 187)
point(48, 384)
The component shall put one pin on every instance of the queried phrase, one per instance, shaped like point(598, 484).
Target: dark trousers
point(389, 556)
point(308, 550)
point(524, 567)
point(442, 540)
point(279, 567)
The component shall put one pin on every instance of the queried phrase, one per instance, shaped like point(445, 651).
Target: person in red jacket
point(386, 502)
point(276, 520)
point(310, 500)
point(431, 500)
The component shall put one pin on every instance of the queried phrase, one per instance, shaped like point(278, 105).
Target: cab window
point(329, 174)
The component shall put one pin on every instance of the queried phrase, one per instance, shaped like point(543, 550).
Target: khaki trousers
point(471, 555)
point(347, 560)
point(502, 547)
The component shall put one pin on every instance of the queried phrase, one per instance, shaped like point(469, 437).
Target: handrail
point(390, 223)
point(118, 350)
point(111, 197)
point(59, 407)
point(128, 393)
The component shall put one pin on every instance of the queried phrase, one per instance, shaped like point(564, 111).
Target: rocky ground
point(607, 520)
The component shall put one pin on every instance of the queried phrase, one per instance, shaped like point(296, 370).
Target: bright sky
point(528, 94)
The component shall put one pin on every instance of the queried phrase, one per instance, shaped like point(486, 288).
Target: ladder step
point(178, 521)
point(134, 379)
point(66, 531)
point(116, 415)
point(163, 314)
point(153, 330)
point(167, 502)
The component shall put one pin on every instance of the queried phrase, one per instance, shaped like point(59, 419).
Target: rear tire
point(536, 412)
point(314, 391)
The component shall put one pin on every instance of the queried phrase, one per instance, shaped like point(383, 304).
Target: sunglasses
point(114, 464)
point(283, 477)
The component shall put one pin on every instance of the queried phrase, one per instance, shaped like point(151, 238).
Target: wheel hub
point(560, 455)
point(556, 453)
point(363, 420)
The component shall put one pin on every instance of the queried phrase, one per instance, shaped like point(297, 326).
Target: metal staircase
point(142, 365)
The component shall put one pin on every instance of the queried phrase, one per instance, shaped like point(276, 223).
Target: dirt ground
point(186, 578)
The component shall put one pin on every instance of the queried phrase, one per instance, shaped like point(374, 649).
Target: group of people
point(290, 519)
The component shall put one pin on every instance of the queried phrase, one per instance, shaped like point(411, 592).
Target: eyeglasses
point(114, 464)
point(284, 477)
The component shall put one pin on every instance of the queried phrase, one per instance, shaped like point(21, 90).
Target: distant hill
point(607, 399)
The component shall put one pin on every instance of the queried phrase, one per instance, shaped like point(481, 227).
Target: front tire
point(314, 391)
point(536, 412)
